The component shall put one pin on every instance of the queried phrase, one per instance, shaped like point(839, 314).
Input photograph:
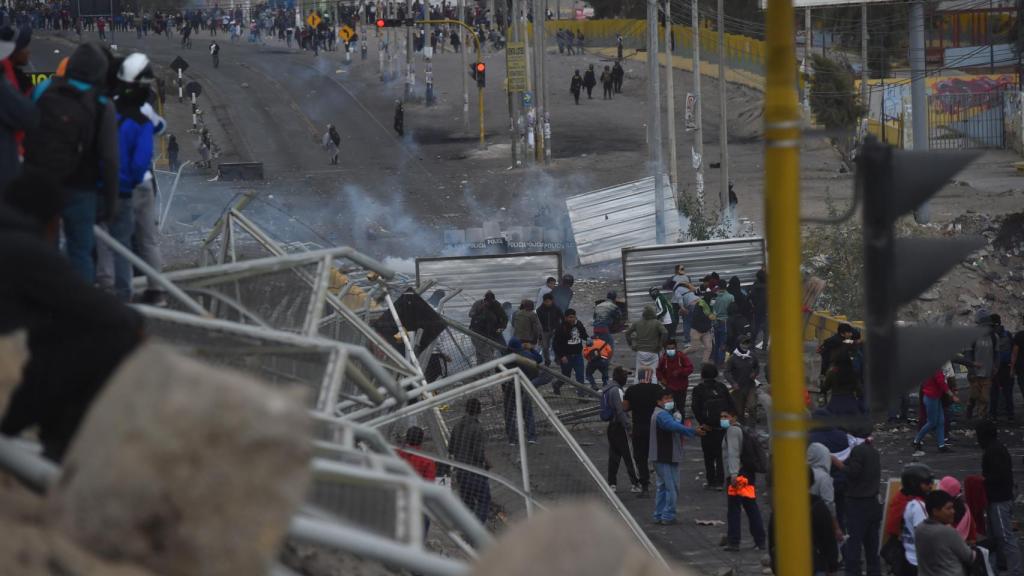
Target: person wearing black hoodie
point(710, 399)
point(997, 468)
point(741, 300)
point(825, 549)
point(568, 345)
point(78, 335)
point(759, 307)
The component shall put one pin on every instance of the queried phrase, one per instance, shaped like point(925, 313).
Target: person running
point(934, 391)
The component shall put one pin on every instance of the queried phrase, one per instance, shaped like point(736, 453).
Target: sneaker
point(613, 487)
point(918, 453)
point(534, 441)
point(635, 489)
point(918, 446)
point(945, 448)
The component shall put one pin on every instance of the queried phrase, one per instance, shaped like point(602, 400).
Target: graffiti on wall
point(894, 90)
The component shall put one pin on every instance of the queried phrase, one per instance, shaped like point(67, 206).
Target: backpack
point(67, 131)
point(607, 411)
point(700, 321)
point(752, 455)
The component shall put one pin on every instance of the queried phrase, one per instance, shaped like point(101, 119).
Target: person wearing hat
point(606, 315)
point(665, 450)
point(17, 114)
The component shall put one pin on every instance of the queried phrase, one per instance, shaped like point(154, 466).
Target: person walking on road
point(640, 400)
point(666, 451)
point(619, 430)
point(172, 153)
point(399, 118)
point(575, 85)
point(710, 399)
point(606, 83)
point(215, 53)
point(618, 74)
point(331, 142)
point(741, 480)
point(742, 371)
point(589, 81)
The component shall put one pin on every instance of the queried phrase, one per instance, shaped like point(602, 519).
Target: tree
point(833, 99)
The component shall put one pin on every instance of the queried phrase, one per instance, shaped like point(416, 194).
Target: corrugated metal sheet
point(607, 220)
point(649, 266)
point(512, 277)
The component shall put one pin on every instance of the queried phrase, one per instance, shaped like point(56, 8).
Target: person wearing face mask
point(741, 371)
point(666, 451)
point(674, 370)
point(742, 482)
point(710, 398)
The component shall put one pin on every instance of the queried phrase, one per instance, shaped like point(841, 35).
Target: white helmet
point(135, 69)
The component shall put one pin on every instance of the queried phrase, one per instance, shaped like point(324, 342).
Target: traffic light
point(480, 73)
point(395, 22)
point(893, 183)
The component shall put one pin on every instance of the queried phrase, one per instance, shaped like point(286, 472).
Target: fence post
point(521, 426)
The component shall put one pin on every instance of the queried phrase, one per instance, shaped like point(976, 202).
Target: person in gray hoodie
point(619, 430)
point(820, 461)
point(526, 325)
point(647, 337)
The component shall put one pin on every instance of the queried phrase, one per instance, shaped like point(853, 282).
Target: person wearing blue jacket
point(135, 139)
point(666, 452)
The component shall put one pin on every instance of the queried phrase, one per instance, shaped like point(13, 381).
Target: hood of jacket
point(819, 458)
point(88, 64)
point(649, 313)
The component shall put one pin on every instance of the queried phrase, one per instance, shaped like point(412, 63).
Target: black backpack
point(752, 455)
point(67, 131)
point(700, 321)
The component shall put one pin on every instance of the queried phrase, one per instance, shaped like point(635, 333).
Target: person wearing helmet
point(136, 213)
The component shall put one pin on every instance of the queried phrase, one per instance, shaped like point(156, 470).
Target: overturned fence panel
point(605, 221)
point(650, 266)
point(512, 278)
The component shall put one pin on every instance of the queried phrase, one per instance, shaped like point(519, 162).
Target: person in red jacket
point(425, 467)
point(934, 390)
point(673, 371)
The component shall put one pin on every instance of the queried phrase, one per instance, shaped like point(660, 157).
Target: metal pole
point(698, 117)
point(723, 127)
point(864, 56)
point(654, 119)
point(782, 208)
point(529, 149)
point(462, 51)
point(410, 72)
point(991, 44)
point(919, 110)
point(807, 63)
point(670, 97)
point(540, 102)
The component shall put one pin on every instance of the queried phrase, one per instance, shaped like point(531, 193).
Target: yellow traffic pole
point(791, 502)
point(479, 59)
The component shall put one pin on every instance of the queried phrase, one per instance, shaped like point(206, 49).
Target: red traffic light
point(380, 23)
point(481, 67)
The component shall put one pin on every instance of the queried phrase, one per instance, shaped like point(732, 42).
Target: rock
point(929, 296)
point(13, 358)
point(208, 468)
point(550, 543)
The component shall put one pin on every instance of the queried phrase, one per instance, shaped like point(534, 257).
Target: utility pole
point(698, 132)
point(539, 83)
point(723, 125)
point(919, 111)
point(807, 64)
point(654, 120)
point(462, 50)
point(515, 103)
point(782, 209)
point(410, 71)
point(529, 113)
point(670, 97)
point(864, 56)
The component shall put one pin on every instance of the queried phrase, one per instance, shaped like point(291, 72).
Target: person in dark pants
point(467, 446)
point(606, 83)
point(618, 432)
point(399, 118)
point(710, 398)
point(567, 343)
point(640, 400)
point(589, 81)
point(863, 512)
point(575, 85)
point(172, 153)
point(742, 486)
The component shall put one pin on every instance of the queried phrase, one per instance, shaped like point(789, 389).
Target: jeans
point(1000, 529)
point(936, 422)
point(597, 365)
point(687, 322)
point(512, 422)
point(573, 363)
point(134, 226)
point(79, 215)
point(546, 346)
point(753, 518)
point(711, 444)
point(667, 490)
point(618, 449)
point(721, 332)
point(475, 492)
point(863, 518)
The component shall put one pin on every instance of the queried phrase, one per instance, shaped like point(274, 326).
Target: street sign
point(515, 58)
point(179, 64)
point(527, 99)
point(346, 33)
point(691, 103)
point(313, 19)
point(193, 87)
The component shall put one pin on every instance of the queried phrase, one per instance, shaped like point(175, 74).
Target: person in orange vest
point(598, 353)
point(742, 486)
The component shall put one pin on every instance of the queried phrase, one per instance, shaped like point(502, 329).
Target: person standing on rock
point(575, 85)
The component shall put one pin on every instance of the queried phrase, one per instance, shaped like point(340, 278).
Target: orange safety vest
point(742, 488)
point(599, 346)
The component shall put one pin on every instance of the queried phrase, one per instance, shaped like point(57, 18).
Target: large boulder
point(184, 468)
point(581, 539)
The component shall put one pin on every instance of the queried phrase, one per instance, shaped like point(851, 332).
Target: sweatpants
point(641, 445)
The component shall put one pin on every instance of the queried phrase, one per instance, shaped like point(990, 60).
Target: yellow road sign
point(313, 19)
point(346, 33)
point(515, 55)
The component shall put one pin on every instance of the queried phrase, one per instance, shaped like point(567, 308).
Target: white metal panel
point(512, 278)
point(607, 220)
point(649, 266)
